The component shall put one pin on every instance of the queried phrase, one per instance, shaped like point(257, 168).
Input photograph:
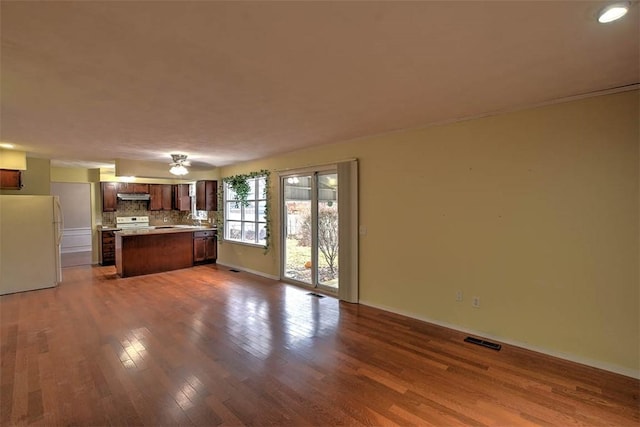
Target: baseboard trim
point(565, 356)
point(247, 270)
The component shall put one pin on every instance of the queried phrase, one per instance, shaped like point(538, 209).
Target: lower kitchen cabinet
point(107, 247)
point(204, 246)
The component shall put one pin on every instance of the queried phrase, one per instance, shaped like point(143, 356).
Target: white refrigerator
point(30, 236)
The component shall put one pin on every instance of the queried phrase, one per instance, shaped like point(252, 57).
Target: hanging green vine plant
point(240, 186)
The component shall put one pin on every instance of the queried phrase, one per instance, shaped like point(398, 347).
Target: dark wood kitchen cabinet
point(10, 179)
point(181, 198)
point(107, 247)
point(109, 196)
point(206, 195)
point(160, 197)
point(133, 188)
point(147, 253)
point(205, 248)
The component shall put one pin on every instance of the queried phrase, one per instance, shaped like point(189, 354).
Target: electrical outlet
point(475, 302)
point(458, 296)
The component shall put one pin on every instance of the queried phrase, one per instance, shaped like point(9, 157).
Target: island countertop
point(161, 229)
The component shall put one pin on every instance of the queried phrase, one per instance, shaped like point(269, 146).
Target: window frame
point(259, 196)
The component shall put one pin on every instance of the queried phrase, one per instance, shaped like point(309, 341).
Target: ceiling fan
point(178, 166)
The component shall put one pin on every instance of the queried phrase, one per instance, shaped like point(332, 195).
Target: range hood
point(130, 196)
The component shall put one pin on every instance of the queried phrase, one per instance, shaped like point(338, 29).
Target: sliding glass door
point(310, 229)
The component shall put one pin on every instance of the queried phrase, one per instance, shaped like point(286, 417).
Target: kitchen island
point(155, 249)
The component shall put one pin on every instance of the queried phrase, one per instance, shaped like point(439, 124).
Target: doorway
point(75, 199)
point(310, 229)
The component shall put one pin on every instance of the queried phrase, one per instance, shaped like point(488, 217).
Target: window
point(246, 224)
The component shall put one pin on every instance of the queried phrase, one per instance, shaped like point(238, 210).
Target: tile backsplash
point(141, 208)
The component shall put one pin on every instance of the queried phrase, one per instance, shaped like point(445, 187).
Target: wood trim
point(248, 270)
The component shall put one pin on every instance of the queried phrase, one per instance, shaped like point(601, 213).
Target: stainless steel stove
point(128, 222)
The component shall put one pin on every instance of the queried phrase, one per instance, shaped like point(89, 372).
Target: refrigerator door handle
point(59, 220)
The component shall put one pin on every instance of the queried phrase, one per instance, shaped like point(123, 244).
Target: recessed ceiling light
point(613, 12)
point(6, 145)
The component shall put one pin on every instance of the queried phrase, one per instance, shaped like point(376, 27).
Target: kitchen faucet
point(194, 218)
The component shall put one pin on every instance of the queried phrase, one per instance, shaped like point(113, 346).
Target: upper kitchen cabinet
point(10, 179)
point(160, 197)
point(133, 188)
point(109, 196)
point(181, 198)
point(206, 195)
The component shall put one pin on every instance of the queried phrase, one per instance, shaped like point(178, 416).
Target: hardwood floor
point(205, 346)
point(73, 259)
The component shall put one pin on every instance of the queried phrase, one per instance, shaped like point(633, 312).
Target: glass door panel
point(298, 254)
point(327, 225)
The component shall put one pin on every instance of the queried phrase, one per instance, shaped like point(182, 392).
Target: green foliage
point(239, 184)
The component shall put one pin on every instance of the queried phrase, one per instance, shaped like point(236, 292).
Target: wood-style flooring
point(73, 259)
point(206, 346)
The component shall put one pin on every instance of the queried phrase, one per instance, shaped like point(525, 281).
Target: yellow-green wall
point(536, 212)
point(36, 180)
point(13, 159)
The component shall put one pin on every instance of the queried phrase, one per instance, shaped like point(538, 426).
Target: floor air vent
point(234, 271)
point(313, 294)
point(488, 344)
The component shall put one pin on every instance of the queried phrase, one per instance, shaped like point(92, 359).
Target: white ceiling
point(226, 82)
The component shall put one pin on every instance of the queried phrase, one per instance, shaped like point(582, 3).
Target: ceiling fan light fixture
point(179, 170)
point(178, 165)
point(613, 12)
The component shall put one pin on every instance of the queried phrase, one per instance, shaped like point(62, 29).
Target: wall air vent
point(313, 294)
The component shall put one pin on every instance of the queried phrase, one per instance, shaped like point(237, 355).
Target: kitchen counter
point(156, 249)
point(162, 229)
